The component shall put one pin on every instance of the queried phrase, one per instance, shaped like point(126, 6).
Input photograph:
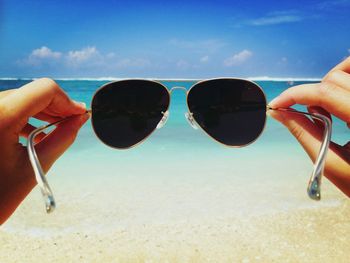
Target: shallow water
point(267, 176)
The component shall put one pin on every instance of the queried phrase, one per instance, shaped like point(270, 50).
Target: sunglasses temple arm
point(314, 186)
point(40, 177)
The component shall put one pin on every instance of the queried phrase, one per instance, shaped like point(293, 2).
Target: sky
point(172, 39)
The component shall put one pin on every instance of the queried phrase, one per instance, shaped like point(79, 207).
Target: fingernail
point(83, 104)
point(274, 101)
point(80, 104)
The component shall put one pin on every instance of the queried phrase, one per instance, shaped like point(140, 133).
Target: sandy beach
point(176, 220)
point(302, 236)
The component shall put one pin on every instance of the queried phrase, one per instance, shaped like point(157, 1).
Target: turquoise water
point(177, 133)
point(177, 127)
point(177, 143)
point(178, 174)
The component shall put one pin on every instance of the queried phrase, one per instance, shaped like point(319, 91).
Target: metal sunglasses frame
point(314, 185)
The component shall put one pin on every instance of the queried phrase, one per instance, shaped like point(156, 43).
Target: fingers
point(310, 136)
point(39, 95)
point(338, 78)
point(304, 130)
point(4, 93)
point(46, 117)
point(319, 110)
point(332, 96)
point(326, 95)
point(27, 129)
point(56, 143)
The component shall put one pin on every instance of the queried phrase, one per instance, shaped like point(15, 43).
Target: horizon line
point(258, 78)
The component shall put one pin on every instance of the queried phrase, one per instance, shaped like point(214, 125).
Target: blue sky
point(172, 39)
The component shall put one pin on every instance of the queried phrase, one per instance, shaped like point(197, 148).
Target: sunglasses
point(231, 111)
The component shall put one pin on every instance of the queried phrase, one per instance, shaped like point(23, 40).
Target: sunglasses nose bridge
point(188, 115)
point(179, 88)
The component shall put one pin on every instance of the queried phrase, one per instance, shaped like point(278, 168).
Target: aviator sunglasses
point(231, 111)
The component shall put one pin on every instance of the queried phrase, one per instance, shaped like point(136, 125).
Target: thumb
point(58, 141)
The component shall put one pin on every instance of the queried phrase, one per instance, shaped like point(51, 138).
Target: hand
point(330, 97)
point(45, 100)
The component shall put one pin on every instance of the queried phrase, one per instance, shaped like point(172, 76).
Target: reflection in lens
point(232, 111)
point(125, 112)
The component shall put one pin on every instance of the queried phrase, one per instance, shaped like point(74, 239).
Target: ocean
point(267, 176)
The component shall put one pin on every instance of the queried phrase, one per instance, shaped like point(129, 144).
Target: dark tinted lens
point(126, 112)
point(230, 110)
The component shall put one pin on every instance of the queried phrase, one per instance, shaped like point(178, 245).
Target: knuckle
point(48, 81)
point(326, 89)
point(297, 131)
point(332, 76)
point(50, 84)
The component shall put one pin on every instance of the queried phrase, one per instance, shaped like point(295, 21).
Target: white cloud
point(39, 56)
point(85, 58)
point(275, 18)
point(44, 52)
point(204, 59)
point(76, 57)
point(239, 58)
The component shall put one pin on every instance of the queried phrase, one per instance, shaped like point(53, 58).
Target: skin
point(45, 100)
point(330, 97)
